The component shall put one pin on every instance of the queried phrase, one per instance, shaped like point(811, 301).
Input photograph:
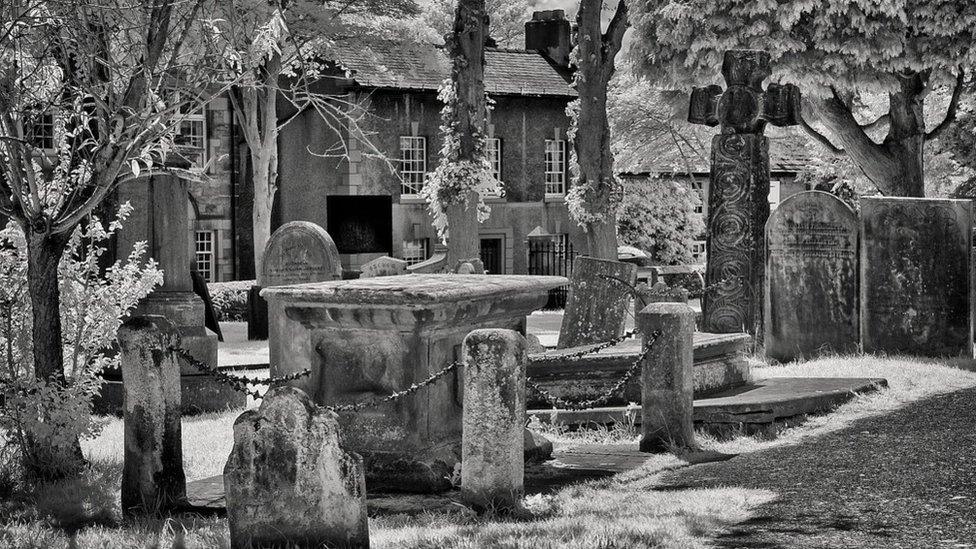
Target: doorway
point(492, 254)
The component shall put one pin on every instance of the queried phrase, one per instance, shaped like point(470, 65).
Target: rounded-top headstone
point(811, 294)
point(299, 252)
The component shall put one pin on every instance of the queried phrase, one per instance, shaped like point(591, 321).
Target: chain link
point(373, 402)
point(564, 404)
point(592, 348)
point(238, 383)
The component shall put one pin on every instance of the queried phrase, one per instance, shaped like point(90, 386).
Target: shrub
point(52, 413)
point(230, 299)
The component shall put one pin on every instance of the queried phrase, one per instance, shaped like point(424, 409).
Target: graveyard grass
point(622, 511)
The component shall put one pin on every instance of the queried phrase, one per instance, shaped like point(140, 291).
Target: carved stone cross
point(738, 203)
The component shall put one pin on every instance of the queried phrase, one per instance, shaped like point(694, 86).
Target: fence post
point(493, 437)
point(152, 472)
point(667, 382)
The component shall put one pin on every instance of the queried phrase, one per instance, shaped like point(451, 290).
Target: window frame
point(554, 167)
point(412, 188)
point(424, 246)
point(209, 273)
point(493, 148)
point(198, 156)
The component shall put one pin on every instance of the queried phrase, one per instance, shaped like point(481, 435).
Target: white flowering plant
point(94, 301)
point(454, 179)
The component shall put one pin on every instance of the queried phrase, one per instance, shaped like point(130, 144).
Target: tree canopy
point(838, 52)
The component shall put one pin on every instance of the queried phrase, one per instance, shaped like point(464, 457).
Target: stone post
point(152, 472)
point(596, 309)
point(667, 383)
point(492, 460)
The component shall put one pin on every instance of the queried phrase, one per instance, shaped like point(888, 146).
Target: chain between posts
point(238, 383)
point(563, 404)
point(242, 383)
point(705, 289)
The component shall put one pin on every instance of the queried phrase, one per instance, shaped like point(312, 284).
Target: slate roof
point(790, 151)
point(395, 65)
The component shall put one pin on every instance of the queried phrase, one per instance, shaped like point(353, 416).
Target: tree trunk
point(895, 166)
point(463, 243)
point(44, 252)
point(591, 142)
point(264, 174)
point(467, 48)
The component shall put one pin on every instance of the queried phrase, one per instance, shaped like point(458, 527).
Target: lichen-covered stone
point(152, 472)
point(810, 302)
point(597, 305)
point(667, 379)
point(366, 338)
point(290, 482)
point(492, 458)
point(383, 266)
point(536, 448)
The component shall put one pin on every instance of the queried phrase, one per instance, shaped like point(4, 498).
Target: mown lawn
point(620, 512)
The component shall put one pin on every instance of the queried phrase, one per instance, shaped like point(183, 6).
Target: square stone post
point(492, 456)
point(152, 471)
point(667, 377)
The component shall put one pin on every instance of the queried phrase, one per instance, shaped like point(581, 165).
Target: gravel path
point(903, 480)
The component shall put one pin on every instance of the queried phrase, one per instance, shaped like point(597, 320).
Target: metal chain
point(563, 404)
point(594, 347)
point(373, 402)
point(238, 383)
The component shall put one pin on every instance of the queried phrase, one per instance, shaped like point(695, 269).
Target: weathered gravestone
point(599, 296)
point(738, 198)
point(298, 252)
point(383, 266)
point(811, 277)
point(289, 482)
point(916, 266)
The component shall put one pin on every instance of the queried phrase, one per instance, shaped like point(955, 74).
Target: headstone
point(599, 296)
point(299, 252)
point(289, 480)
point(153, 480)
point(667, 377)
point(738, 196)
point(811, 277)
point(916, 269)
point(384, 266)
point(493, 445)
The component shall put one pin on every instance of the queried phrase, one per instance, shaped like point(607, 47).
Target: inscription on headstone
point(297, 253)
point(811, 277)
point(916, 264)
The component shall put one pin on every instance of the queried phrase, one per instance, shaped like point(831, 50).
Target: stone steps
point(751, 408)
point(720, 364)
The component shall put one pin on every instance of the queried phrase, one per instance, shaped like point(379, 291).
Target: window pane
point(413, 164)
point(415, 251)
point(204, 254)
point(555, 166)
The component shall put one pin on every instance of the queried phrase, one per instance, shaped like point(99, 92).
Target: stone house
point(370, 204)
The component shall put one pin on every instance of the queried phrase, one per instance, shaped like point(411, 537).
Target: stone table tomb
point(367, 338)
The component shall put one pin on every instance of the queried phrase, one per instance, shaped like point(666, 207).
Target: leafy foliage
point(658, 215)
point(92, 309)
point(506, 25)
point(816, 44)
point(230, 299)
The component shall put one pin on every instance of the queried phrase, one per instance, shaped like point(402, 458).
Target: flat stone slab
point(420, 290)
point(761, 402)
point(582, 462)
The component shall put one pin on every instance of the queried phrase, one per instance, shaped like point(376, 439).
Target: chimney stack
point(549, 33)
